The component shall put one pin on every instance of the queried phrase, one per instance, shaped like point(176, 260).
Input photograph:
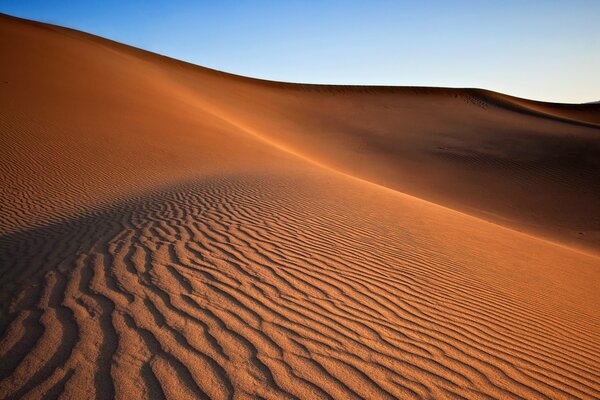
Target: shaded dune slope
point(170, 231)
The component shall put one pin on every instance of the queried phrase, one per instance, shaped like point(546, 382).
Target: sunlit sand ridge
point(169, 231)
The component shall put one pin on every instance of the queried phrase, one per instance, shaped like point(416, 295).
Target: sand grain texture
point(169, 231)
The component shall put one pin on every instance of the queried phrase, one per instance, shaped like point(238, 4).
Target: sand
point(170, 231)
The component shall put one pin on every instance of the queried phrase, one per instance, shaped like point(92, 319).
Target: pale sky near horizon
point(543, 50)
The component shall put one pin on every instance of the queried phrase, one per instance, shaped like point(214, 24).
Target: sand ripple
point(254, 287)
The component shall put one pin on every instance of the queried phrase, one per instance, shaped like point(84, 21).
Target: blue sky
point(545, 50)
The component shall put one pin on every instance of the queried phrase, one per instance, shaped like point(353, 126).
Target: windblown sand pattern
point(173, 232)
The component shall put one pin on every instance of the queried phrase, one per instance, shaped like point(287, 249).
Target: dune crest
point(169, 231)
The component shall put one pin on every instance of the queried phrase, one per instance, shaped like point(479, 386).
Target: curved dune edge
point(536, 162)
point(163, 235)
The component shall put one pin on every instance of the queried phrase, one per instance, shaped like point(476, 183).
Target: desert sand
point(171, 231)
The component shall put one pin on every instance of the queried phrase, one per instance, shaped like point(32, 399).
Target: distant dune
point(171, 231)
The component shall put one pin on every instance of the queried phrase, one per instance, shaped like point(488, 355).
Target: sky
point(544, 50)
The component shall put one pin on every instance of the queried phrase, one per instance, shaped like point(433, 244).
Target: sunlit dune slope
point(169, 231)
point(527, 165)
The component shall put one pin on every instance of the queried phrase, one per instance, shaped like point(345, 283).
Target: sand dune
point(169, 231)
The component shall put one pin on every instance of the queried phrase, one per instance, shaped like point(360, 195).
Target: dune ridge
point(169, 231)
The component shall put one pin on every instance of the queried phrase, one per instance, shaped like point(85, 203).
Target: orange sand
point(169, 231)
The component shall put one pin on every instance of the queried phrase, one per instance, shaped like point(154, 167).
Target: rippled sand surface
point(168, 231)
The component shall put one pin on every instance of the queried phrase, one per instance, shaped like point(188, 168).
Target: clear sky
point(544, 50)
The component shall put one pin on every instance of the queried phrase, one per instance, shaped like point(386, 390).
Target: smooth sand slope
point(169, 231)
